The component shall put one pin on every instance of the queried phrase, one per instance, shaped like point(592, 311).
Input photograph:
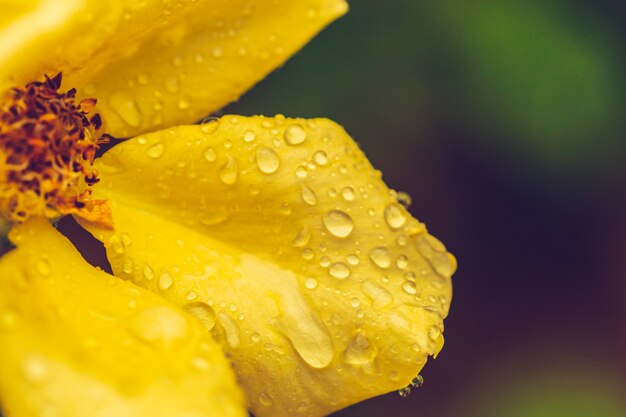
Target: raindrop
point(402, 261)
point(230, 329)
point(404, 392)
point(348, 193)
point(229, 172)
point(295, 134)
point(339, 270)
point(267, 160)
point(418, 381)
point(156, 150)
point(310, 283)
point(307, 254)
point(409, 287)
point(165, 281)
point(381, 257)
point(249, 136)
point(203, 312)
point(394, 216)
point(308, 195)
point(338, 223)
point(320, 158)
point(303, 237)
point(404, 199)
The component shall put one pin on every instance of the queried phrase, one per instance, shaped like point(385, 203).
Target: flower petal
point(77, 342)
point(152, 63)
point(325, 289)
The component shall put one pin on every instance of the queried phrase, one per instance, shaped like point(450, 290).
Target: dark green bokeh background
point(505, 121)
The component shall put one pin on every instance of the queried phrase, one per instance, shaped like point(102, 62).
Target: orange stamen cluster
point(47, 147)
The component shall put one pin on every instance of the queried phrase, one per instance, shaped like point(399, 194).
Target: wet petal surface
point(77, 341)
point(283, 240)
point(154, 63)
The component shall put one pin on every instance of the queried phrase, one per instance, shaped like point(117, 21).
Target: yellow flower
point(274, 237)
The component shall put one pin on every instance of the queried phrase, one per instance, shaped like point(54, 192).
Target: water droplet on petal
point(348, 194)
point(295, 134)
point(265, 400)
point(42, 267)
point(359, 351)
point(267, 160)
point(418, 381)
point(409, 287)
point(229, 172)
point(338, 223)
point(320, 158)
point(308, 195)
point(165, 281)
point(156, 150)
point(404, 392)
point(249, 136)
point(381, 257)
point(339, 270)
point(230, 329)
point(203, 312)
point(303, 237)
point(404, 199)
point(148, 272)
point(310, 283)
point(402, 261)
point(394, 216)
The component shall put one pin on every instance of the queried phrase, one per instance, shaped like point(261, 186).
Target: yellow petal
point(325, 289)
point(152, 63)
point(78, 342)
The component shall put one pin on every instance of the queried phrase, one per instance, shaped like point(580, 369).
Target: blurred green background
point(505, 121)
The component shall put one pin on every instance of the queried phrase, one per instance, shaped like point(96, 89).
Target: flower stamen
point(48, 143)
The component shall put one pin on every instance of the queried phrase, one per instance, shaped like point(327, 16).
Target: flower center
point(48, 142)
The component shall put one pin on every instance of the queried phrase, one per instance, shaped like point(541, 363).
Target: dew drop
point(127, 266)
point(165, 281)
point(230, 329)
point(265, 400)
point(355, 302)
point(203, 312)
point(302, 238)
point(301, 172)
point(394, 216)
point(404, 392)
point(339, 270)
point(402, 261)
point(229, 172)
point(307, 254)
point(360, 351)
point(381, 257)
point(352, 259)
point(433, 333)
point(310, 283)
point(42, 267)
point(404, 199)
point(380, 297)
point(267, 160)
point(324, 261)
point(409, 287)
point(348, 193)
point(249, 136)
point(320, 158)
point(294, 134)
point(308, 195)
point(418, 381)
point(338, 223)
point(255, 337)
point(156, 150)
point(148, 272)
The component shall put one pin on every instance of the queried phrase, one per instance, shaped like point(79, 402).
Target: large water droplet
point(229, 172)
point(359, 351)
point(409, 287)
point(308, 195)
point(348, 193)
point(156, 150)
point(394, 216)
point(320, 158)
point(267, 160)
point(339, 270)
point(381, 257)
point(310, 283)
point(295, 134)
point(404, 392)
point(418, 381)
point(202, 312)
point(338, 223)
point(249, 136)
